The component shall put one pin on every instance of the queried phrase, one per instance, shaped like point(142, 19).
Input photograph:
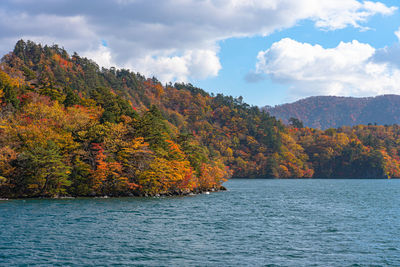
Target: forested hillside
point(325, 112)
point(68, 127)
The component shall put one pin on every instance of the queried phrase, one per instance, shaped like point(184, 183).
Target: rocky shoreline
point(165, 194)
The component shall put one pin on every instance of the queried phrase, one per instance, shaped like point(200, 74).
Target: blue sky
point(238, 56)
point(270, 52)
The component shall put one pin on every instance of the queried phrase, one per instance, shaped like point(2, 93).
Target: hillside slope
point(117, 132)
point(68, 127)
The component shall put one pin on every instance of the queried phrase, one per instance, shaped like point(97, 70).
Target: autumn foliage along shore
point(68, 127)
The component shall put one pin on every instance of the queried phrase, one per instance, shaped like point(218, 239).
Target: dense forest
point(325, 112)
point(70, 128)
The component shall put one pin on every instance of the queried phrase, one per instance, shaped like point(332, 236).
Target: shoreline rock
point(184, 192)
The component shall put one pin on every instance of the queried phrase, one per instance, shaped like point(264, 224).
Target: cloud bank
point(350, 69)
point(171, 39)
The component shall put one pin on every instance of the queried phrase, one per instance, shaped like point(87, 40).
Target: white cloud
point(197, 64)
point(398, 34)
point(339, 14)
point(174, 39)
point(347, 70)
point(101, 56)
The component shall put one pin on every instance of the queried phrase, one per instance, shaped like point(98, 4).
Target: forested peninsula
point(71, 128)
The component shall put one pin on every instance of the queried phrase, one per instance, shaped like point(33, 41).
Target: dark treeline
point(68, 127)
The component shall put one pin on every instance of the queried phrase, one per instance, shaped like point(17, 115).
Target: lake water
point(257, 222)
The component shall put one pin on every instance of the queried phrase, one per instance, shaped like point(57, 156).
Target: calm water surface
point(256, 222)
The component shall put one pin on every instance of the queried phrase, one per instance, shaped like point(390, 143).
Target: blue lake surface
point(255, 223)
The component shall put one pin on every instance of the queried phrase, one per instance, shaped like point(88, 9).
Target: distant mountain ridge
point(332, 111)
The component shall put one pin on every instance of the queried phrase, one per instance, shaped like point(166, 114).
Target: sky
point(268, 51)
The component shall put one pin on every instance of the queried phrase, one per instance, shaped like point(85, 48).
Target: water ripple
point(255, 223)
